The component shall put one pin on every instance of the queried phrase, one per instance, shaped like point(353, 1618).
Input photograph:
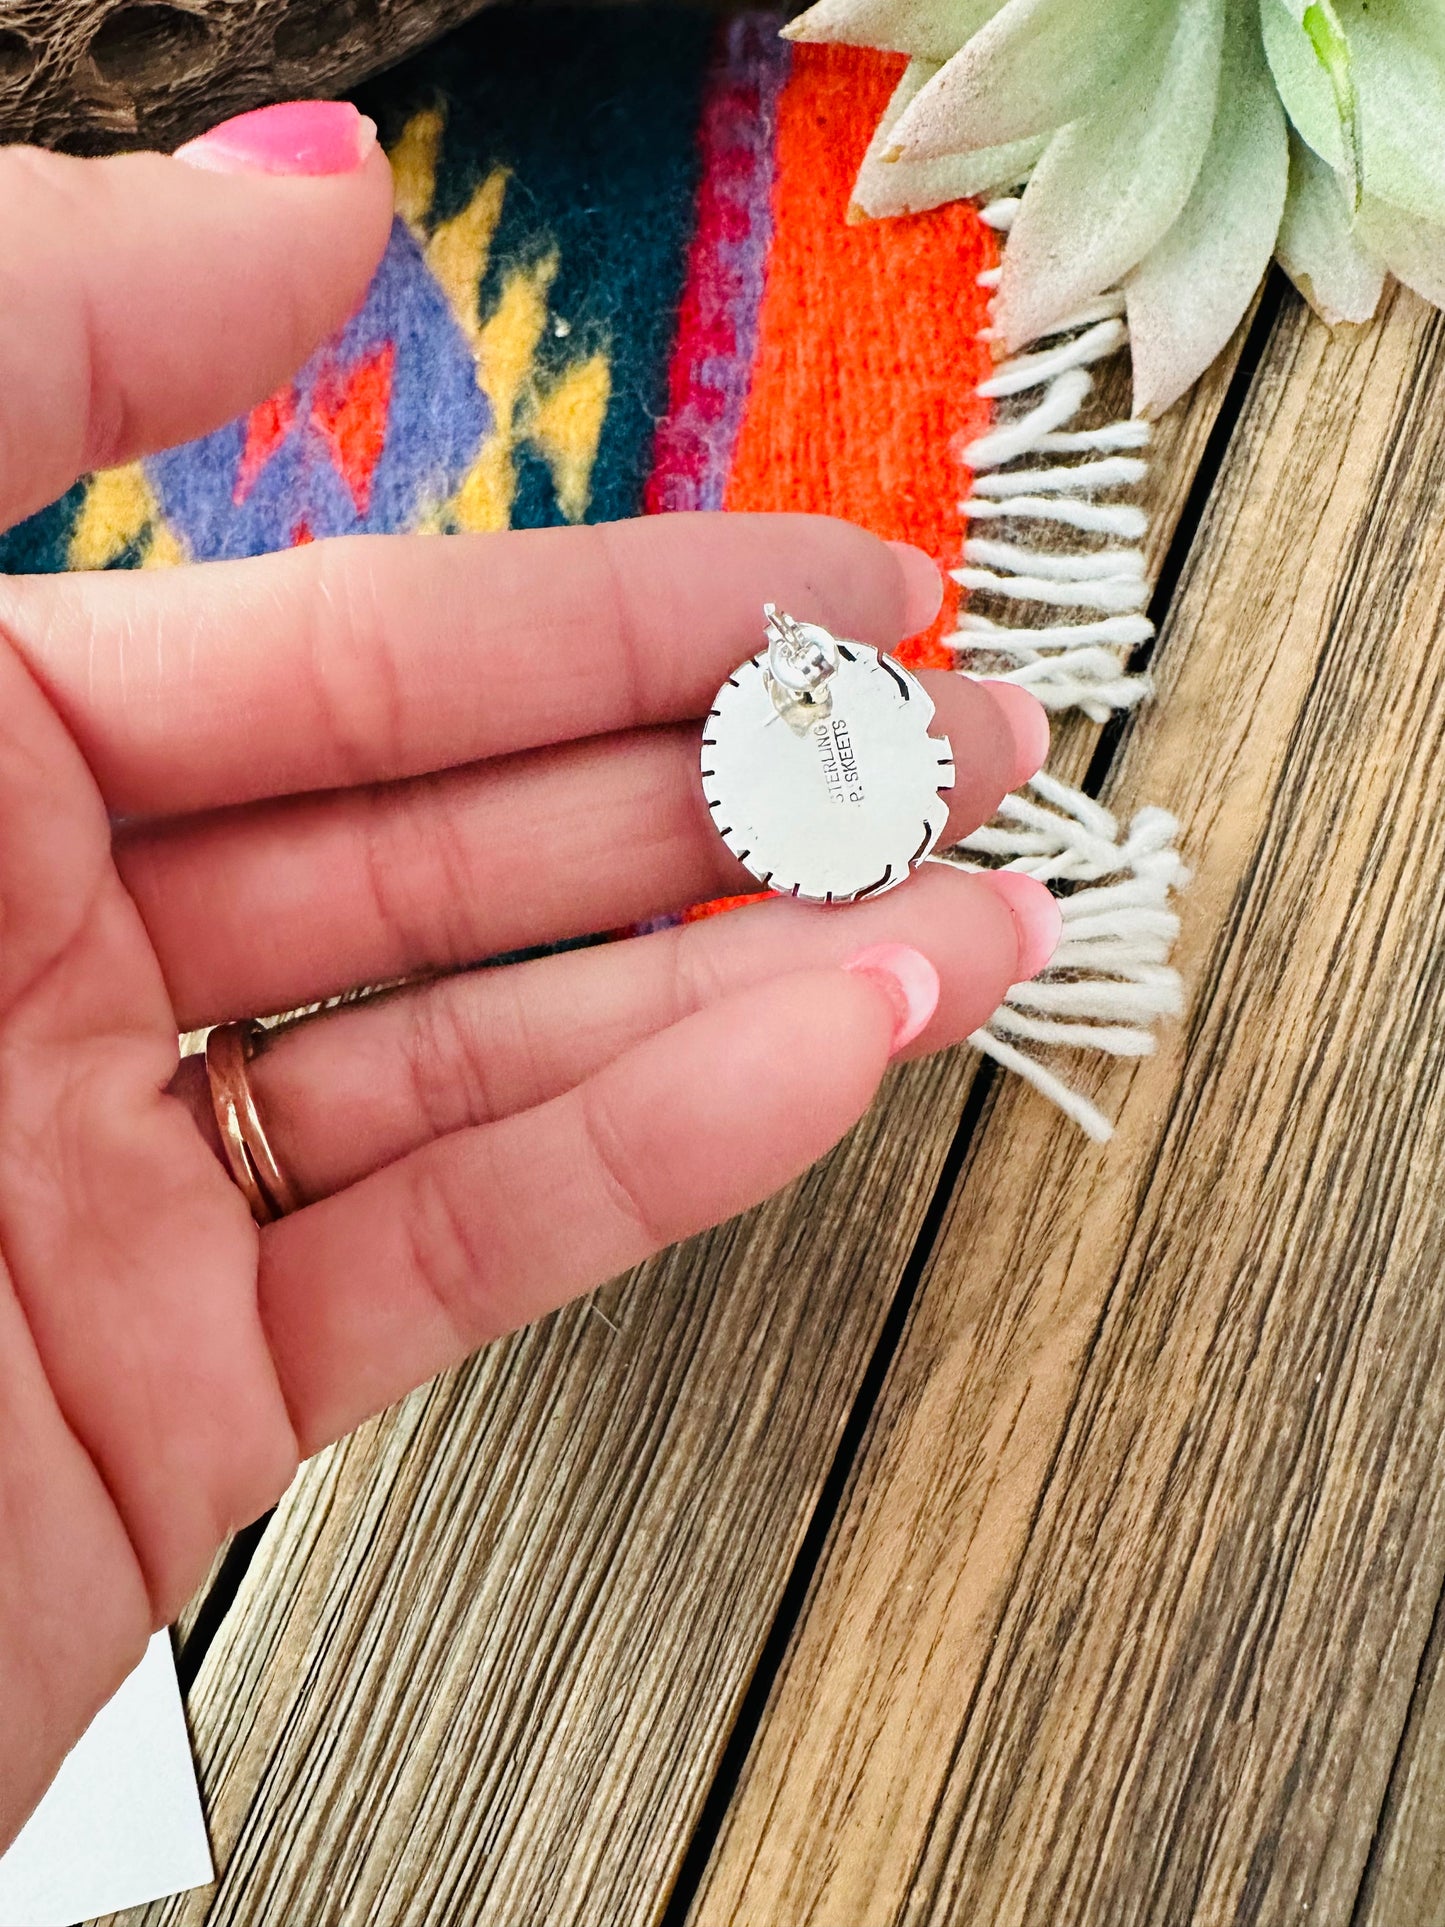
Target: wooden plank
point(493, 1646)
point(1122, 1618)
point(195, 1606)
point(1404, 1882)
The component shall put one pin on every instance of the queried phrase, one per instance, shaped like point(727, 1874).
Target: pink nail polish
point(297, 137)
point(1036, 914)
point(1028, 723)
point(922, 586)
point(909, 981)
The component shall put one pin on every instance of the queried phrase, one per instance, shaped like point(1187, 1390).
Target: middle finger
point(283, 904)
point(375, 658)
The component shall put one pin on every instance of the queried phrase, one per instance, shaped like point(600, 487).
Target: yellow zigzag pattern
point(562, 417)
point(119, 509)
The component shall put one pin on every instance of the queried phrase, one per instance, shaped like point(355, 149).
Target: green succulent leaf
point(1327, 37)
point(1189, 293)
point(1364, 83)
point(887, 186)
point(1110, 186)
point(1310, 89)
point(924, 29)
point(1319, 247)
point(1332, 49)
point(1413, 250)
point(1399, 69)
point(1325, 141)
point(1029, 71)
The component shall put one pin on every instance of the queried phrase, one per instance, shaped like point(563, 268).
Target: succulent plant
point(1171, 147)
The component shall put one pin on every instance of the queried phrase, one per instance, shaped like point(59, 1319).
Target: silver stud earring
point(818, 767)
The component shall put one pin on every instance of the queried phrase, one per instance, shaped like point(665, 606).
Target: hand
point(244, 787)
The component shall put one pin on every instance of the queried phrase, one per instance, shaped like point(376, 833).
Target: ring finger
point(346, 1093)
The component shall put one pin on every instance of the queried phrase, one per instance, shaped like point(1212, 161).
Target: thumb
point(149, 299)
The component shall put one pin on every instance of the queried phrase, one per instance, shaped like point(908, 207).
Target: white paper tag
point(122, 1823)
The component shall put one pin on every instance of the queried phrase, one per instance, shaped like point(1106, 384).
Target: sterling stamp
point(819, 769)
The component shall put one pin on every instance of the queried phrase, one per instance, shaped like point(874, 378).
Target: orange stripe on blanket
point(869, 355)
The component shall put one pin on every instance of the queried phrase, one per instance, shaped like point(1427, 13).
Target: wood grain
point(185, 1626)
point(486, 1660)
point(1404, 1883)
point(90, 76)
point(1122, 1619)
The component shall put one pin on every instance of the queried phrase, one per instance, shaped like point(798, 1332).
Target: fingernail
point(1036, 914)
point(922, 586)
point(909, 981)
point(1028, 723)
point(296, 137)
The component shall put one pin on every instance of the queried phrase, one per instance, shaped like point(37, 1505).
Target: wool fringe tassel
point(1110, 981)
point(1100, 592)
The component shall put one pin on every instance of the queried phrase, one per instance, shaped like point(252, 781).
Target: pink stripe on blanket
point(727, 266)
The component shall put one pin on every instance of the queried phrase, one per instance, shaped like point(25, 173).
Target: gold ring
point(249, 1157)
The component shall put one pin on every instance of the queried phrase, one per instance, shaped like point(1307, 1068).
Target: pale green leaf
point(1400, 78)
point(1188, 295)
point(1319, 248)
point(1109, 187)
point(1035, 66)
point(1413, 250)
point(1305, 86)
point(1327, 37)
point(908, 187)
point(927, 29)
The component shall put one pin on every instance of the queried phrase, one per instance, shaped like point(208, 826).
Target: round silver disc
point(835, 809)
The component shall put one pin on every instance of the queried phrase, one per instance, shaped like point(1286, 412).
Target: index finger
point(374, 658)
point(146, 301)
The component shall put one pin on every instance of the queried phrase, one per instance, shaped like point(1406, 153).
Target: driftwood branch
point(90, 76)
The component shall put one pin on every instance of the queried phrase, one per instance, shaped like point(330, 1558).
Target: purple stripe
point(727, 269)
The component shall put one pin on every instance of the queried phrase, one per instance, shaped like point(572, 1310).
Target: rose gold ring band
point(249, 1157)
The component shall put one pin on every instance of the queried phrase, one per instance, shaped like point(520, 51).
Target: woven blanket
point(623, 278)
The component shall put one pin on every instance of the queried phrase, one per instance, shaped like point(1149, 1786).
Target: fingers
point(292, 902)
point(370, 659)
point(147, 301)
point(354, 1090)
point(404, 1274)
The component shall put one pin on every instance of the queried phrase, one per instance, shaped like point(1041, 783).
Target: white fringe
point(1110, 981)
point(1076, 665)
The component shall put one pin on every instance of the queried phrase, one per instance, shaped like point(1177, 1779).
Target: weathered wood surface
point(93, 75)
point(1123, 1616)
point(486, 1661)
point(1404, 1882)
